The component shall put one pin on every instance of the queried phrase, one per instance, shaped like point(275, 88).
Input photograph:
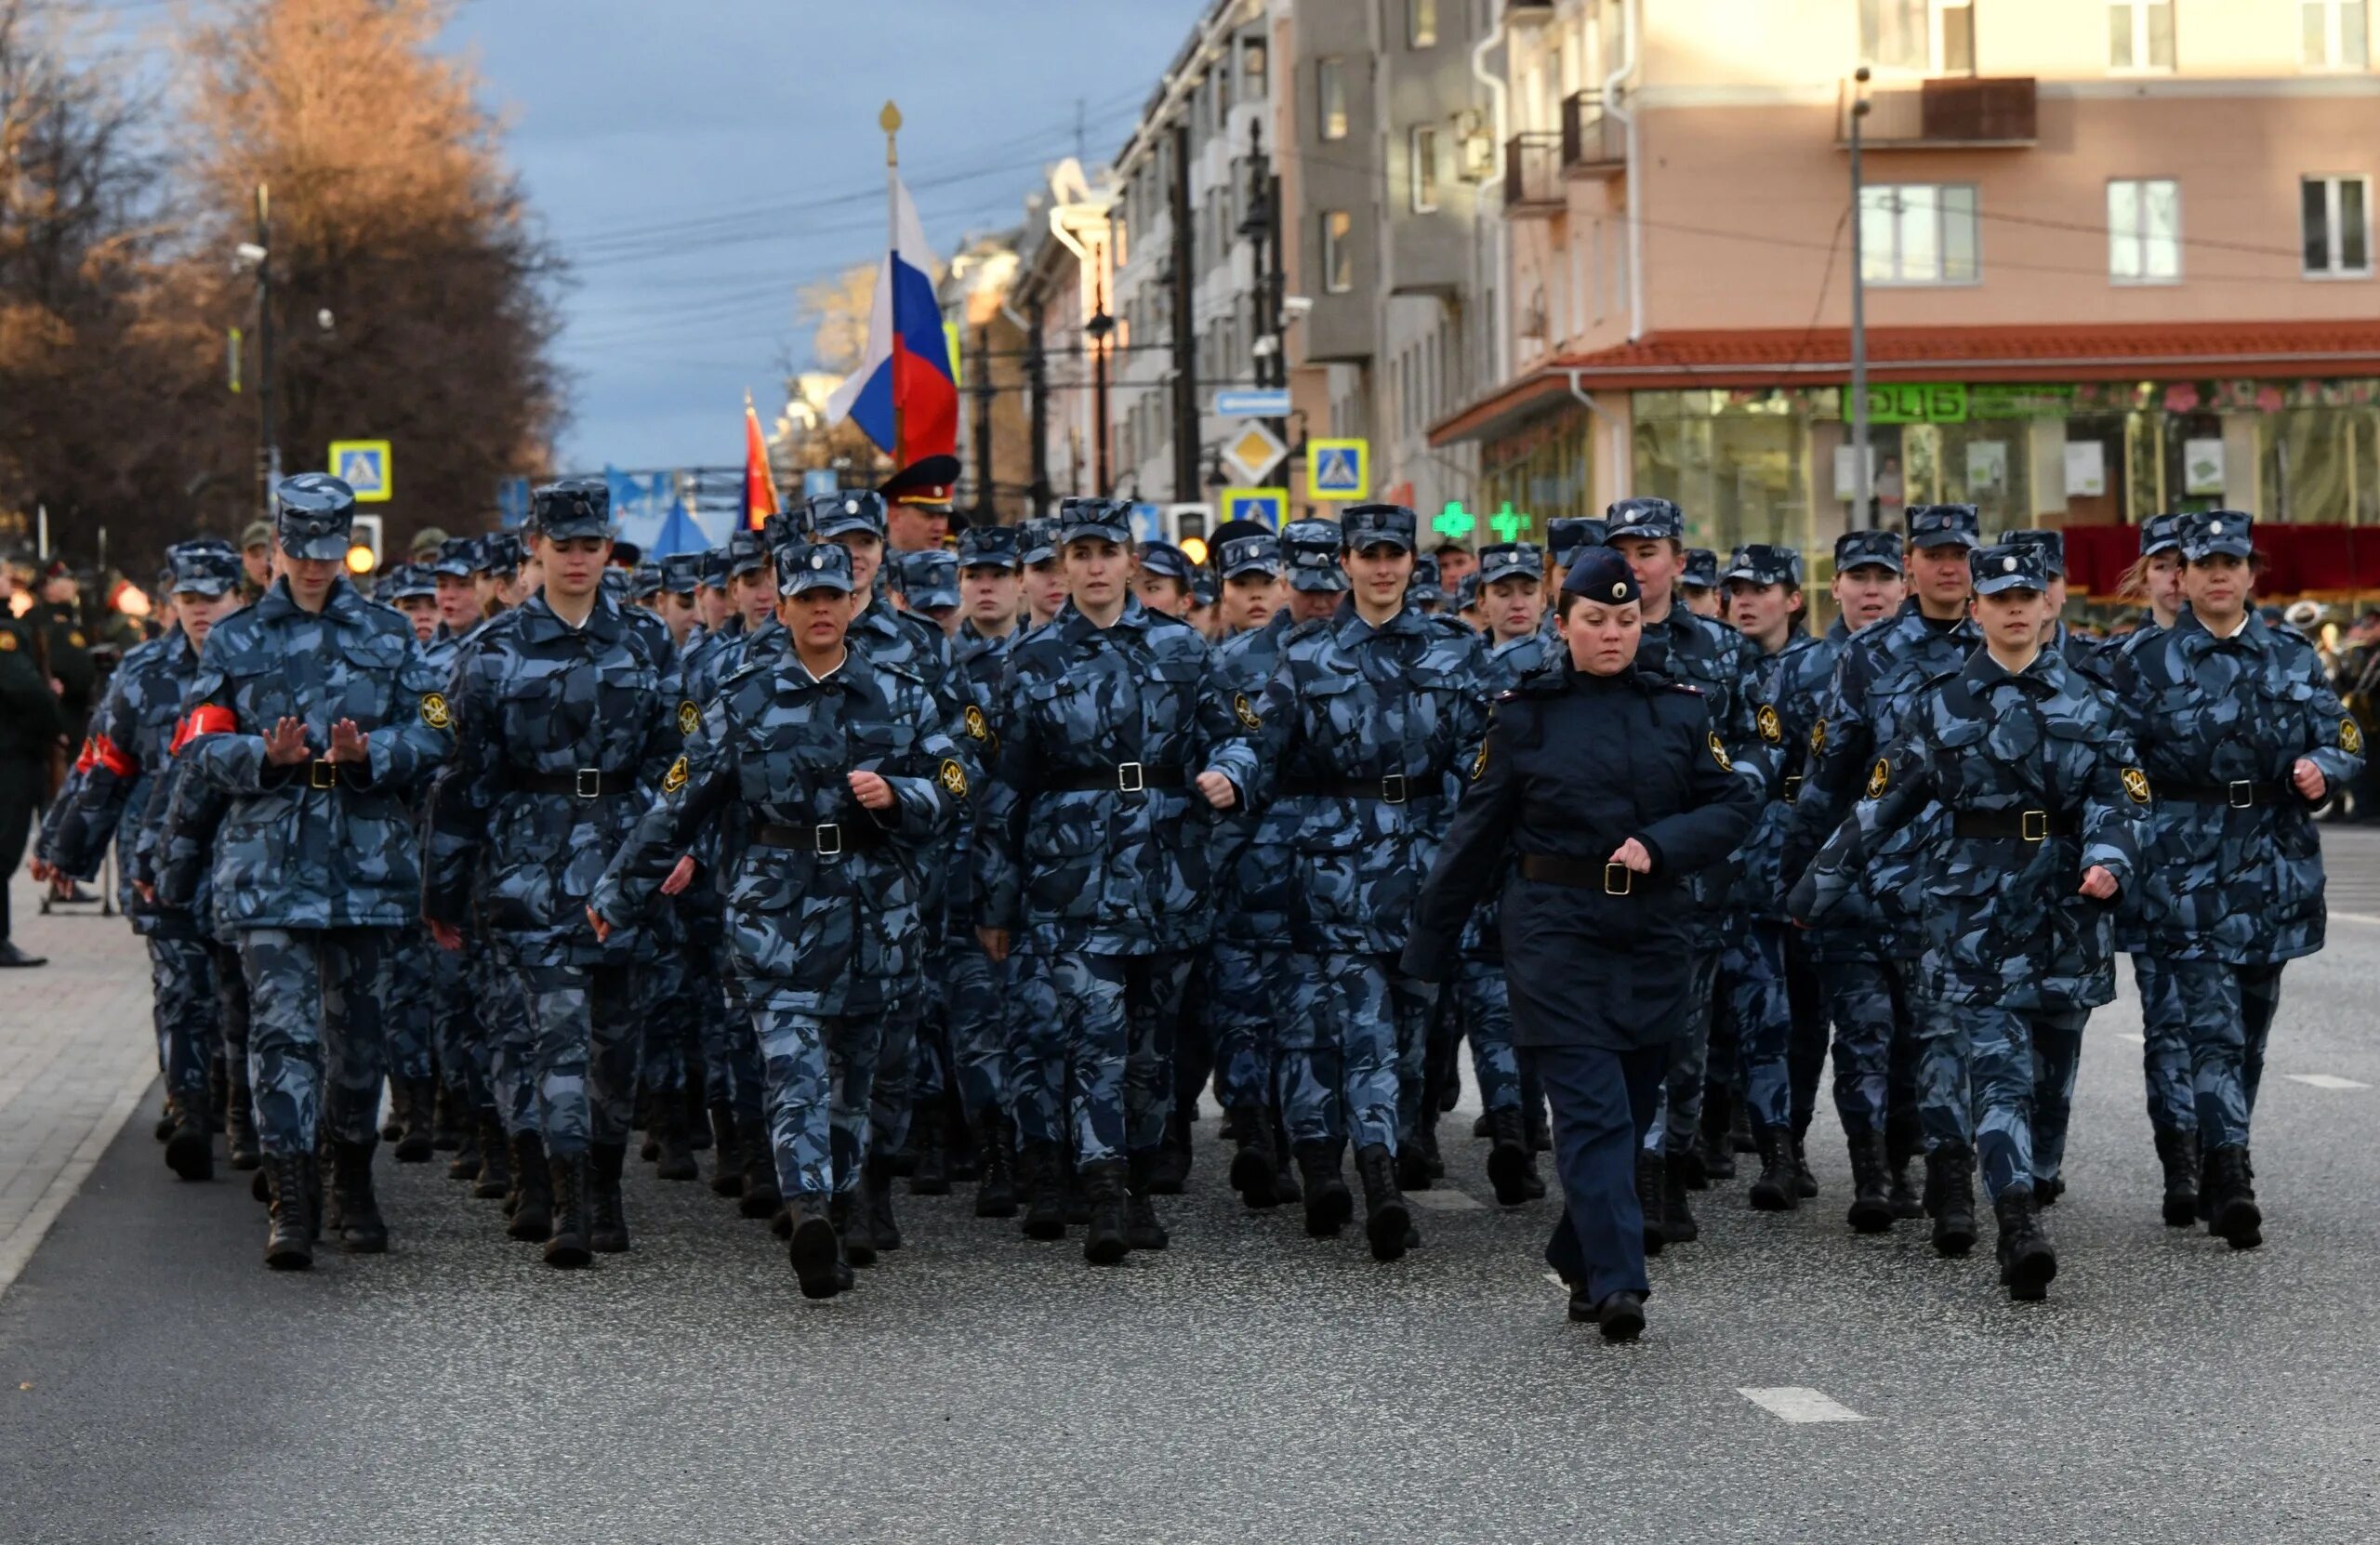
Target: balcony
point(1533, 173)
point(1956, 114)
point(1593, 142)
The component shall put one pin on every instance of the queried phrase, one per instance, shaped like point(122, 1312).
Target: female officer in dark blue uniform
point(1612, 786)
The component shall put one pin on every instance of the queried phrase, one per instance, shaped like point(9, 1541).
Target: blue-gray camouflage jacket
point(1254, 860)
point(1782, 698)
point(107, 798)
point(1722, 665)
point(1508, 663)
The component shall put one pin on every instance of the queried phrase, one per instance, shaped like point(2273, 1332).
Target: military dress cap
point(426, 543)
point(783, 532)
point(747, 554)
point(1937, 525)
point(1037, 541)
point(1628, 519)
point(815, 566)
point(1427, 584)
point(990, 548)
point(1083, 519)
point(409, 582)
point(208, 567)
point(680, 572)
point(1601, 574)
point(1764, 563)
point(714, 568)
point(930, 579)
point(317, 516)
point(2159, 533)
point(2212, 533)
point(1376, 526)
point(1466, 592)
point(2008, 566)
point(1508, 560)
point(1246, 555)
point(459, 556)
point(2052, 542)
point(1203, 592)
point(501, 554)
point(1702, 569)
point(572, 507)
point(258, 535)
point(1169, 561)
point(1859, 550)
point(1310, 548)
point(644, 581)
point(1569, 536)
point(852, 512)
point(615, 581)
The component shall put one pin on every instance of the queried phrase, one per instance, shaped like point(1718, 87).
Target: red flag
point(760, 489)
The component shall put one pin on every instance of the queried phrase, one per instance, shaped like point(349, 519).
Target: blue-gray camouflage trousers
point(1354, 1064)
point(2022, 1062)
point(2230, 1011)
point(1484, 1000)
point(317, 1045)
point(821, 1074)
point(184, 1009)
point(2164, 1047)
point(583, 1063)
point(1678, 1123)
point(1095, 1030)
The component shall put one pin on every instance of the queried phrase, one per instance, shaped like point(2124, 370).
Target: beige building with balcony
point(2117, 258)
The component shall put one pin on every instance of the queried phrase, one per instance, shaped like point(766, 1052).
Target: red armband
point(83, 761)
point(207, 719)
point(106, 753)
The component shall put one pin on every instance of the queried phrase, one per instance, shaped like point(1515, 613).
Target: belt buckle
point(1793, 789)
point(2241, 794)
point(1130, 777)
point(827, 838)
point(1627, 880)
point(1392, 789)
point(2032, 825)
point(588, 783)
point(323, 774)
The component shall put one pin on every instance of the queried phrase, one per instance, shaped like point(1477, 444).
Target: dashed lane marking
point(2128, 1036)
point(2324, 1080)
point(1793, 1403)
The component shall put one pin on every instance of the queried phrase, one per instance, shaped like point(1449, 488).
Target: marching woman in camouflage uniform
point(2043, 808)
point(827, 775)
point(2241, 736)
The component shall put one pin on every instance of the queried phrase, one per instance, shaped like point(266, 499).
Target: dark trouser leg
point(22, 781)
point(2057, 1061)
point(1999, 1046)
point(1806, 1057)
point(1156, 992)
point(1603, 1109)
point(1678, 1126)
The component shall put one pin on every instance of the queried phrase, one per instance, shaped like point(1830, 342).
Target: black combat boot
point(533, 1203)
point(876, 1178)
point(996, 1160)
point(465, 1164)
point(495, 1161)
point(2178, 1151)
point(673, 1156)
point(1251, 1154)
point(931, 1176)
point(1169, 1170)
point(1388, 1223)
point(1650, 1169)
point(419, 1137)
point(448, 1130)
point(568, 1247)
point(1805, 1184)
point(1678, 1226)
point(1775, 1190)
point(392, 1124)
point(1904, 1138)
point(847, 1213)
point(361, 1230)
point(189, 1151)
point(1425, 1137)
point(607, 1225)
point(1041, 1174)
point(2227, 1195)
point(758, 1196)
point(1871, 1207)
point(1329, 1204)
point(693, 1115)
point(813, 1249)
point(1533, 1118)
point(219, 1092)
point(1411, 1163)
point(1103, 1185)
point(1078, 1200)
point(1716, 1151)
point(1509, 1161)
point(1142, 1231)
point(961, 1154)
point(1621, 1318)
point(292, 1179)
point(1949, 1199)
point(2027, 1262)
point(240, 1122)
point(727, 1154)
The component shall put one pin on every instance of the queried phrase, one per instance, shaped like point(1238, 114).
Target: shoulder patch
point(1880, 778)
point(434, 711)
point(1772, 728)
point(1479, 763)
point(2350, 737)
point(1719, 753)
point(1817, 737)
point(2136, 784)
point(675, 779)
point(978, 727)
point(953, 778)
point(1245, 711)
point(690, 717)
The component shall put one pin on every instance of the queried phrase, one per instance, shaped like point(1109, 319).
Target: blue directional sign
point(1259, 403)
point(1266, 507)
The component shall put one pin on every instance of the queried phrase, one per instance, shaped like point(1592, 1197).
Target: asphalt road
point(157, 1383)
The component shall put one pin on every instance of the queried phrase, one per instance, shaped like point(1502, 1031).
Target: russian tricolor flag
point(904, 394)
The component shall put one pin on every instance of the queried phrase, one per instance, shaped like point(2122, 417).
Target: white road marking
point(1440, 1199)
point(2364, 917)
point(1556, 1279)
point(2324, 1080)
point(1794, 1404)
point(2128, 1036)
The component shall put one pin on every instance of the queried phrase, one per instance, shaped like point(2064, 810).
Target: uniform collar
point(1350, 627)
point(1075, 626)
point(539, 625)
point(344, 602)
point(2254, 635)
point(2045, 678)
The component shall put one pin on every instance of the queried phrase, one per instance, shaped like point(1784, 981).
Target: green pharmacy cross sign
point(1455, 524)
point(1510, 522)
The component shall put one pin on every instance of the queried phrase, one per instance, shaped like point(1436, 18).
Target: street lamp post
point(1098, 328)
point(1862, 473)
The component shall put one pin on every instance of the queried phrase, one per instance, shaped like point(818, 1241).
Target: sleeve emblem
point(953, 779)
point(1240, 705)
point(1719, 754)
point(2350, 737)
point(2136, 784)
point(1880, 779)
point(1772, 728)
point(690, 717)
point(434, 711)
point(1817, 738)
point(1479, 763)
point(977, 729)
point(675, 779)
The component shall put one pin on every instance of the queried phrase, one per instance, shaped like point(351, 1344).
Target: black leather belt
point(2240, 794)
point(1612, 879)
point(827, 838)
point(1791, 792)
point(1393, 789)
point(321, 773)
point(1128, 777)
point(587, 783)
point(2021, 825)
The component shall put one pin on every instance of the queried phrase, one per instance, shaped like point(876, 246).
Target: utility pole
point(986, 514)
point(1037, 381)
point(1186, 487)
point(1097, 329)
point(268, 440)
point(1863, 475)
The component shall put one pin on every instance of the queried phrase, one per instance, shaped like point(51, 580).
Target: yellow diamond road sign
point(364, 465)
point(1253, 452)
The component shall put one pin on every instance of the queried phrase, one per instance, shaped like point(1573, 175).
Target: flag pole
point(890, 122)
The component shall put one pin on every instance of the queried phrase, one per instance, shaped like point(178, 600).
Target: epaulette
point(1454, 625)
point(1543, 680)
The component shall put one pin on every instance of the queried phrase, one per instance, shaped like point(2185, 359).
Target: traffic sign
point(1254, 452)
point(512, 502)
point(1261, 403)
point(1339, 468)
point(1266, 507)
point(1148, 521)
point(363, 465)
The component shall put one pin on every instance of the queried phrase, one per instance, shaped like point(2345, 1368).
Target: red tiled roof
point(2076, 351)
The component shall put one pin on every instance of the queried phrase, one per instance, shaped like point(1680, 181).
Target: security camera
point(248, 255)
point(1295, 306)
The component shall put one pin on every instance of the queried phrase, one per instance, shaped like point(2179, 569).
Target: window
point(2140, 35)
point(1918, 36)
point(1420, 23)
point(1338, 252)
point(1253, 62)
point(2337, 224)
point(2334, 34)
point(1330, 97)
point(2144, 233)
point(1424, 155)
point(1918, 235)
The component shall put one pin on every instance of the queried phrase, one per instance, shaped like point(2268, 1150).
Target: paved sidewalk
point(78, 1054)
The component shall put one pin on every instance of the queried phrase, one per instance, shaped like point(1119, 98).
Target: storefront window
point(2320, 466)
point(1543, 472)
point(1737, 468)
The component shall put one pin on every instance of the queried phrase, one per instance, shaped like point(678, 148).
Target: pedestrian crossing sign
point(1266, 507)
point(1339, 468)
point(363, 465)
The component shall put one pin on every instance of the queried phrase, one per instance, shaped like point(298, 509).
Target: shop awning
point(1753, 359)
